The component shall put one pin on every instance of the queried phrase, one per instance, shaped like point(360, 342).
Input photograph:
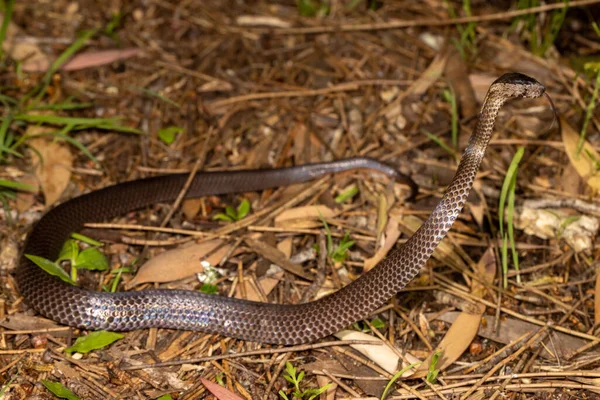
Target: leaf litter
point(371, 93)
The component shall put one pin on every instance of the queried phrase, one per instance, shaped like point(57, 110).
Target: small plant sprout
point(295, 379)
point(339, 253)
point(347, 194)
point(168, 134)
point(232, 215)
point(432, 371)
point(90, 258)
point(395, 378)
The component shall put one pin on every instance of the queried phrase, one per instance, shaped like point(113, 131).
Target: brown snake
point(260, 322)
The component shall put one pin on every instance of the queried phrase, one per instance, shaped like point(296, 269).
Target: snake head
point(515, 84)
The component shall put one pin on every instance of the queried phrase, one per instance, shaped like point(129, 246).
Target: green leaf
point(165, 397)
point(69, 251)
point(231, 213)
point(377, 323)
point(312, 393)
point(283, 395)
point(93, 341)
point(209, 289)
point(92, 259)
point(59, 390)
point(243, 209)
point(168, 134)
point(347, 194)
point(16, 185)
point(222, 217)
point(50, 267)
point(88, 240)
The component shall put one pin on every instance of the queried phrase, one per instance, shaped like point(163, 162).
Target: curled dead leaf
point(53, 165)
point(378, 352)
point(181, 262)
point(465, 327)
point(303, 217)
point(392, 233)
point(585, 162)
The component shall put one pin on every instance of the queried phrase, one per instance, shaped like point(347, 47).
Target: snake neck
point(435, 228)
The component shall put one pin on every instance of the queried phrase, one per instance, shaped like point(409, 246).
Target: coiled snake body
point(260, 322)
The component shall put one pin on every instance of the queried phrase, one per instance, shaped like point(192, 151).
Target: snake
point(285, 324)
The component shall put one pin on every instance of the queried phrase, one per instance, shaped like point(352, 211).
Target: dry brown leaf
point(433, 72)
point(465, 328)
point(277, 257)
point(419, 87)
point(181, 262)
point(378, 352)
point(31, 56)
point(303, 217)
point(52, 166)
point(585, 161)
point(570, 181)
point(392, 233)
point(191, 207)
point(25, 199)
point(382, 215)
point(97, 58)
point(20, 322)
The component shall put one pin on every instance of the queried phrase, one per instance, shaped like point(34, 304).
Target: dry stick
point(503, 352)
point(340, 383)
point(508, 380)
point(342, 87)
point(527, 345)
point(533, 387)
point(133, 227)
point(429, 22)
point(515, 314)
point(303, 347)
point(275, 375)
point(560, 322)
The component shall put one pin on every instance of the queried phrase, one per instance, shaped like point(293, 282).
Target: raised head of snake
point(516, 85)
point(260, 322)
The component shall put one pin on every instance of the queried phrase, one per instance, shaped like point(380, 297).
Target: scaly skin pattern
point(258, 322)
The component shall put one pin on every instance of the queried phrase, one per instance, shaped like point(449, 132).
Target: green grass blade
point(3, 131)
point(512, 168)
point(60, 60)
point(157, 95)
point(442, 144)
point(16, 185)
point(8, 8)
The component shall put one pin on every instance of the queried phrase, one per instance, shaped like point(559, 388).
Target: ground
point(96, 93)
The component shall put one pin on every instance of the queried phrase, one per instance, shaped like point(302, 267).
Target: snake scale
point(259, 322)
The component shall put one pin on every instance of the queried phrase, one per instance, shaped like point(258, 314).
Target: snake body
point(259, 322)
